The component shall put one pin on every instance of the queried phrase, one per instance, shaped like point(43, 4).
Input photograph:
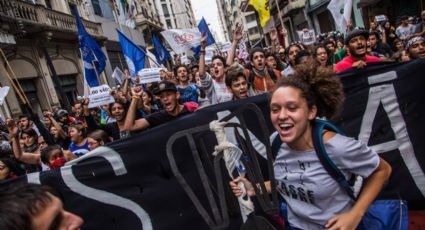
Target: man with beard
point(260, 78)
point(356, 41)
point(188, 91)
point(169, 96)
point(416, 47)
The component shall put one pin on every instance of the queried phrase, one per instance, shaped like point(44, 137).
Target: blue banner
point(161, 53)
point(203, 28)
point(134, 55)
point(94, 60)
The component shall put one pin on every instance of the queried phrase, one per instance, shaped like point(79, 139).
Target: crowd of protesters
point(35, 142)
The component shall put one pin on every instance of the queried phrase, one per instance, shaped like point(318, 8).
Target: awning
point(364, 3)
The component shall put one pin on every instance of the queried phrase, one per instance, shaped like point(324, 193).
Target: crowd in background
point(35, 142)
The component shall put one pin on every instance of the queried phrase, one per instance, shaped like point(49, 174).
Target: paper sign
point(380, 18)
point(100, 95)
point(118, 75)
point(307, 37)
point(149, 75)
point(3, 93)
point(208, 56)
point(184, 60)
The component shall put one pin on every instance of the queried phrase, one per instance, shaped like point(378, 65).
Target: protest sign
point(149, 75)
point(184, 60)
point(209, 53)
point(3, 93)
point(118, 75)
point(380, 18)
point(100, 95)
point(307, 37)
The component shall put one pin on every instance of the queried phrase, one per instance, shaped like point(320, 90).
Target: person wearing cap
point(169, 97)
point(416, 47)
point(260, 78)
point(405, 30)
point(356, 41)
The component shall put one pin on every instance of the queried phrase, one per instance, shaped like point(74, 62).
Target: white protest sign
point(3, 93)
point(118, 75)
point(184, 60)
point(307, 37)
point(209, 53)
point(149, 75)
point(100, 95)
point(380, 18)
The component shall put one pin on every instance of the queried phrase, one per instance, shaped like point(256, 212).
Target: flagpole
point(18, 88)
point(95, 70)
point(281, 22)
point(114, 9)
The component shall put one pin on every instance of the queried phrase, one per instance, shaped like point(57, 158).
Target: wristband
point(135, 97)
point(202, 52)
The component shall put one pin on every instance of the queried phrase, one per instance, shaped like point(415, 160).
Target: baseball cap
point(165, 86)
point(355, 33)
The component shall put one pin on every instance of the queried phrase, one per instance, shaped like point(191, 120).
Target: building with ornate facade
point(176, 14)
point(45, 58)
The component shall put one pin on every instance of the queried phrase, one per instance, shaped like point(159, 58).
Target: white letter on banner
point(386, 95)
point(105, 197)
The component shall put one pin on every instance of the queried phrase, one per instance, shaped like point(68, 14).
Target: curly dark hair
point(319, 86)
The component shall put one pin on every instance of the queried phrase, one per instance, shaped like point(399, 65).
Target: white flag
point(3, 93)
point(341, 11)
point(119, 75)
point(152, 57)
point(182, 40)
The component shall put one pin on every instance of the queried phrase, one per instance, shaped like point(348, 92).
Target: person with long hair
point(322, 56)
point(315, 200)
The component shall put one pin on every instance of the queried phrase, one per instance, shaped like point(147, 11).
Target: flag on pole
point(161, 53)
point(341, 12)
point(182, 40)
point(134, 55)
point(203, 28)
point(94, 60)
point(263, 9)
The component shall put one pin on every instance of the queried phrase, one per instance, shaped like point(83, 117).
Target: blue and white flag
point(161, 53)
point(203, 28)
point(94, 60)
point(134, 55)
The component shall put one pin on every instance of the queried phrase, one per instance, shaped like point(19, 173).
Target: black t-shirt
point(162, 117)
point(383, 49)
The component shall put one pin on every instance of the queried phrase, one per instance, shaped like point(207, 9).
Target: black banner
point(131, 185)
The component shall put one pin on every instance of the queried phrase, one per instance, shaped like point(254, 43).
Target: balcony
point(153, 22)
point(293, 5)
point(26, 18)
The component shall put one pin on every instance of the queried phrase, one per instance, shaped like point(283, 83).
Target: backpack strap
point(272, 74)
point(276, 143)
point(328, 164)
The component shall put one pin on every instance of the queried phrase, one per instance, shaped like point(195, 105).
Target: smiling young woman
point(314, 199)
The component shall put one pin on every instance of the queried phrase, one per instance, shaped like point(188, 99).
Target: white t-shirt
point(312, 195)
point(217, 92)
point(402, 32)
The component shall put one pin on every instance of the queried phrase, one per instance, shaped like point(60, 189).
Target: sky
point(208, 10)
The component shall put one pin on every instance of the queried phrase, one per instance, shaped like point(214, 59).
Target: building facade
point(176, 14)
point(45, 59)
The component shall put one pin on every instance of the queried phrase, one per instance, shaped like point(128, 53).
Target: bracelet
point(202, 52)
point(135, 97)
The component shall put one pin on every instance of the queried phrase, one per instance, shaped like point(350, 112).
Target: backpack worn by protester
point(381, 214)
point(252, 75)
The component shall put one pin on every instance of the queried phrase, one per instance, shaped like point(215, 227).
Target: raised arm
point(273, 38)
point(28, 158)
point(202, 56)
point(237, 36)
point(131, 124)
point(59, 128)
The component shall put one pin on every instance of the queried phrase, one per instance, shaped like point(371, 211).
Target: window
point(165, 10)
point(168, 21)
point(48, 4)
point(96, 8)
point(250, 18)
point(72, 8)
point(253, 30)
